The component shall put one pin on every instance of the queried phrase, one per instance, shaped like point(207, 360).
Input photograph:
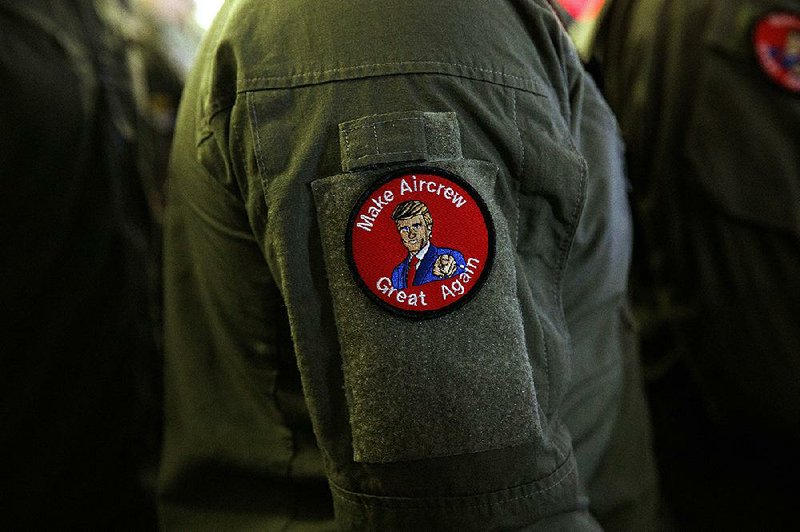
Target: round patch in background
point(776, 38)
point(420, 242)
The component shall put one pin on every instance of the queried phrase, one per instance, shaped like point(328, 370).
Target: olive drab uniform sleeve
point(374, 210)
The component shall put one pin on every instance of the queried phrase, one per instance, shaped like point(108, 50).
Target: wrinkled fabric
point(295, 402)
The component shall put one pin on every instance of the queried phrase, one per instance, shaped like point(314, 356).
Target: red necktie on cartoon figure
point(413, 264)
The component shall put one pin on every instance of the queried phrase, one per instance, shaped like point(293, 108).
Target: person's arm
point(447, 420)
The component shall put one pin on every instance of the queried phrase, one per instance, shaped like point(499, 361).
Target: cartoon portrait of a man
point(425, 262)
point(792, 52)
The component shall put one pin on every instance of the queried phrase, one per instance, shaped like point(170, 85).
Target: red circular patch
point(420, 242)
point(776, 38)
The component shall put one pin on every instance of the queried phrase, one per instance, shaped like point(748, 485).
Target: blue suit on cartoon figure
point(787, 61)
point(425, 270)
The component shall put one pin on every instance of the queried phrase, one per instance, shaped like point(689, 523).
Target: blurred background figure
point(580, 17)
point(205, 11)
point(172, 28)
point(708, 97)
point(86, 111)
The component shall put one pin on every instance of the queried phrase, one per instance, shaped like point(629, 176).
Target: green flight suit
point(715, 168)
point(291, 397)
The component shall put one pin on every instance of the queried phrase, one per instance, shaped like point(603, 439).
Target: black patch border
point(487, 269)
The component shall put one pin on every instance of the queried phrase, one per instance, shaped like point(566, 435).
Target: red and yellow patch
point(776, 38)
point(420, 242)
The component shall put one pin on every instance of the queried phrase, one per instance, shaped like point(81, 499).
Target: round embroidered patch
point(776, 37)
point(420, 242)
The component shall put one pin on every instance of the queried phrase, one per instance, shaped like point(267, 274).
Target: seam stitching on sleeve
point(521, 164)
point(356, 67)
point(384, 504)
point(260, 150)
point(347, 146)
point(384, 153)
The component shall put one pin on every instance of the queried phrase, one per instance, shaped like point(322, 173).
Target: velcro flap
point(399, 137)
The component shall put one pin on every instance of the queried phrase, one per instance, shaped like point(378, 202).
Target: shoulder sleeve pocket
point(434, 358)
